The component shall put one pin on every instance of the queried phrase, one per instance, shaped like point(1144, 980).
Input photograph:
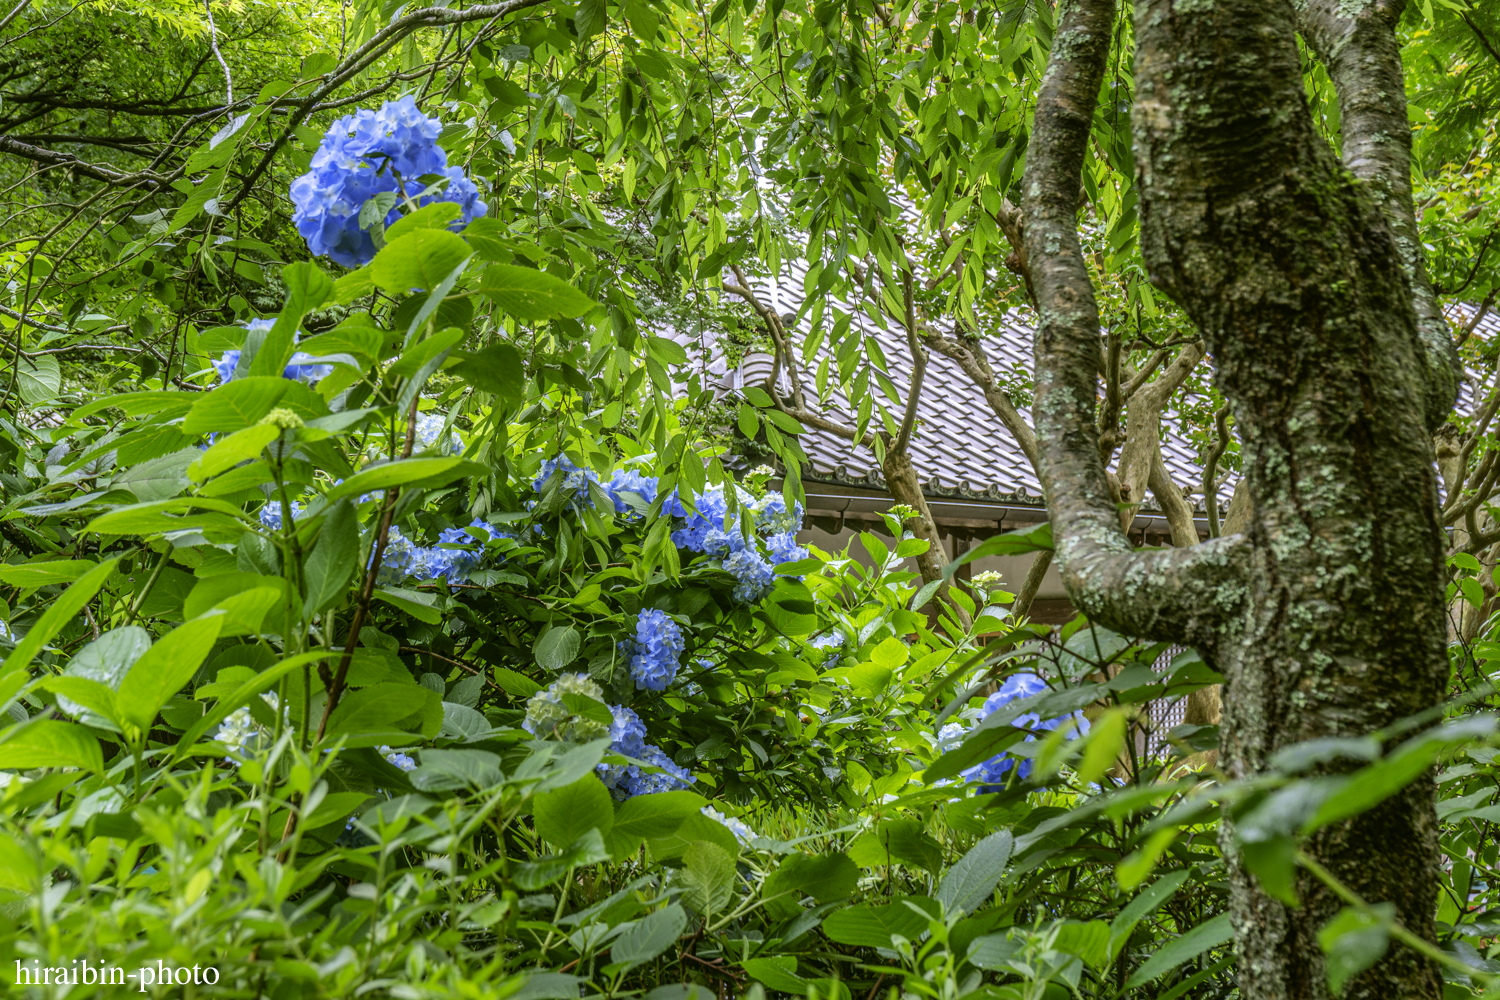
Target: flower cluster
point(741, 832)
point(270, 514)
point(370, 153)
point(548, 717)
point(444, 561)
point(575, 485)
point(241, 733)
point(710, 529)
point(831, 641)
point(302, 367)
point(990, 773)
point(430, 429)
point(628, 738)
point(398, 759)
point(656, 652)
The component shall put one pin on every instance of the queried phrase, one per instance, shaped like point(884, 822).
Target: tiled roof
point(960, 448)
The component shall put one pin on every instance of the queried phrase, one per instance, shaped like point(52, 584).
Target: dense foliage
point(428, 626)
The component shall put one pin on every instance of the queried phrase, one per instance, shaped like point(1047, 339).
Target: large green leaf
point(532, 295)
point(160, 478)
point(707, 878)
point(235, 405)
point(105, 661)
point(1209, 934)
point(973, 878)
point(428, 473)
point(50, 743)
point(247, 600)
point(332, 559)
point(872, 926)
point(564, 814)
point(651, 817)
point(59, 613)
point(30, 575)
point(381, 713)
point(164, 668)
point(420, 259)
point(556, 648)
point(644, 939)
point(824, 877)
point(497, 369)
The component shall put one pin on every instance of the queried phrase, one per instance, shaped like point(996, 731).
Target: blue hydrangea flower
point(574, 480)
point(990, 774)
point(270, 514)
point(773, 518)
point(300, 369)
point(655, 654)
point(400, 559)
point(784, 548)
point(639, 782)
point(741, 832)
point(630, 481)
point(430, 428)
point(754, 576)
point(397, 759)
point(831, 641)
point(368, 153)
point(701, 530)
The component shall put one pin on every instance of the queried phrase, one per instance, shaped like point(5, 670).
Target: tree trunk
point(1326, 616)
point(901, 479)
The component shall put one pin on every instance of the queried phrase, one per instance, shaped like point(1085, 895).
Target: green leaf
point(29, 576)
point(1369, 786)
point(1151, 897)
point(973, 878)
point(451, 770)
point(870, 926)
point(226, 453)
point(335, 807)
point(39, 379)
point(105, 661)
point(590, 18)
point(160, 478)
point(263, 681)
point(897, 841)
point(532, 295)
point(556, 648)
point(59, 612)
point(1089, 941)
point(427, 473)
point(381, 713)
point(1353, 941)
point(235, 405)
point(587, 850)
point(651, 817)
point(421, 354)
point(707, 878)
point(50, 743)
point(1273, 861)
point(563, 814)
point(694, 828)
point(1209, 934)
point(824, 877)
point(307, 288)
point(644, 939)
point(497, 369)
point(164, 668)
point(1105, 741)
point(422, 259)
point(435, 216)
point(779, 972)
point(332, 559)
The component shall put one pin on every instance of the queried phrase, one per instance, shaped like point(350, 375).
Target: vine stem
point(1417, 944)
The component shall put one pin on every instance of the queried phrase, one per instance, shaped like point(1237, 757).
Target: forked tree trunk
point(1326, 616)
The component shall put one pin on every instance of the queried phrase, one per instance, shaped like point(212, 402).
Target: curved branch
point(1176, 593)
point(1358, 44)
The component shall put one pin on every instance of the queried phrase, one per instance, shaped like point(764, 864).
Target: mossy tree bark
point(1326, 613)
